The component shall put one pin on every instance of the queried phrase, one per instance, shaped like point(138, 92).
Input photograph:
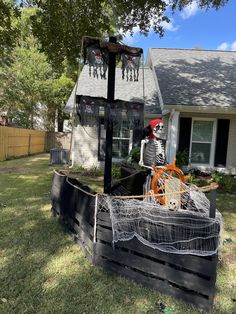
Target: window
point(122, 140)
point(203, 141)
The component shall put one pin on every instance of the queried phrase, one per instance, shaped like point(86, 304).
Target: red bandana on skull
point(157, 128)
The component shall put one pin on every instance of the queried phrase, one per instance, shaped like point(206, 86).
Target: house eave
point(201, 109)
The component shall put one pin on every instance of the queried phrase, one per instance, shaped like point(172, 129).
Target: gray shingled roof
point(195, 77)
point(127, 91)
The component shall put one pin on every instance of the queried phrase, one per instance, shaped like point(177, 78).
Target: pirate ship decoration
point(168, 235)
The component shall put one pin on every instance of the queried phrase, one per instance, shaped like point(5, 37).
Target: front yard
point(43, 271)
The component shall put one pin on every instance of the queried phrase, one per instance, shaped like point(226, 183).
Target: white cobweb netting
point(185, 229)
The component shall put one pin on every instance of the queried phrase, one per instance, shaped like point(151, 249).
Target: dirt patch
point(229, 259)
point(12, 170)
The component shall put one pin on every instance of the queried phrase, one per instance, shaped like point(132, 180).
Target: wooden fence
point(15, 142)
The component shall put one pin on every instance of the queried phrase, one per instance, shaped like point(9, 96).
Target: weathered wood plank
point(83, 224)
point(81, 237)
point(104, 223)
point(157, 284)
point(86, 250)
point(104, 216)
point(179, 277)
point(193, 263)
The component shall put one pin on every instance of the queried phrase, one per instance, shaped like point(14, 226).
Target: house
point(195, 93)
point(88, 141)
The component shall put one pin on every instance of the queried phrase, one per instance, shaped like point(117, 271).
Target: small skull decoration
point(153, 145)
point(173, 204)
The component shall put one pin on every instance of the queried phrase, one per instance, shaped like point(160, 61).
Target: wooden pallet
point(187, 277)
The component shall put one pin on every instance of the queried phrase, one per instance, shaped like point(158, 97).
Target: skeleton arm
point(143, 142)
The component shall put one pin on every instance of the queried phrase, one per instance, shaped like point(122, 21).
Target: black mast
point(108, 122)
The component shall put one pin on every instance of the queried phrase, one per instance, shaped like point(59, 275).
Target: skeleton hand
point(141, 163)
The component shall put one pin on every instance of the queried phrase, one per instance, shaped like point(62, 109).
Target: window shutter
point(221, 142)
point(184, 134)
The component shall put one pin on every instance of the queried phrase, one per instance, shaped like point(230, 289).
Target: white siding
point(231, 150)
point(231, 154)
point(85, 146)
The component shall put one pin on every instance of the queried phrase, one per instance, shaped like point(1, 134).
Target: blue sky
point(191, 28)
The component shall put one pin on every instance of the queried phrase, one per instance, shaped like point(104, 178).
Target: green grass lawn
point(43, 271)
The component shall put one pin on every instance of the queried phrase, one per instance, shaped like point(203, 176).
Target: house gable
point(143, 90)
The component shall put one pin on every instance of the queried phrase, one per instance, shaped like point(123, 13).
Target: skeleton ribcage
point(154, 153)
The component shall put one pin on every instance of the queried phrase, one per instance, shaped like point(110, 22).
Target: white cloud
point(128, 38)
point(227, 46)
point(189, 10)
point(233, 46)
point(223, 46)
point(169, 26)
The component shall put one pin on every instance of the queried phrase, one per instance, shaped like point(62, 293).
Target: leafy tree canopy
point(61, 24)
point(8, 30)
point(30, 91)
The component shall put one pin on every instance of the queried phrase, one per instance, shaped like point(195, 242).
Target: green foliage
point(199, 182)
point(134, 155)
point(22, 83)
point(227, 183)
point(93, 171)
point(71, 20)
point(29, 90)
point(9, 32)
point(216, 177)
point(182, 158)
point(55, 92)
point(116, 171)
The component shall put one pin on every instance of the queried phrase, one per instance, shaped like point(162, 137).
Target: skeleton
point(152, 146)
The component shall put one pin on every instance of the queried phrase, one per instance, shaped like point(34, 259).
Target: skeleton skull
point(173, 204)
point(157, 128)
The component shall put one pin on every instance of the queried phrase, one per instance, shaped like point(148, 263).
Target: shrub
point(228, 183)
point(94, 171)
point(182, 158)
point(196, 180)
point(116, 172)
point(134, 154)
point(91, 172)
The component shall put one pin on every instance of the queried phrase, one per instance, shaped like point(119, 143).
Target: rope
point(129, 176)
point(95, 219)
point(203, 189)
point(78, 188)
point(59, 174)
